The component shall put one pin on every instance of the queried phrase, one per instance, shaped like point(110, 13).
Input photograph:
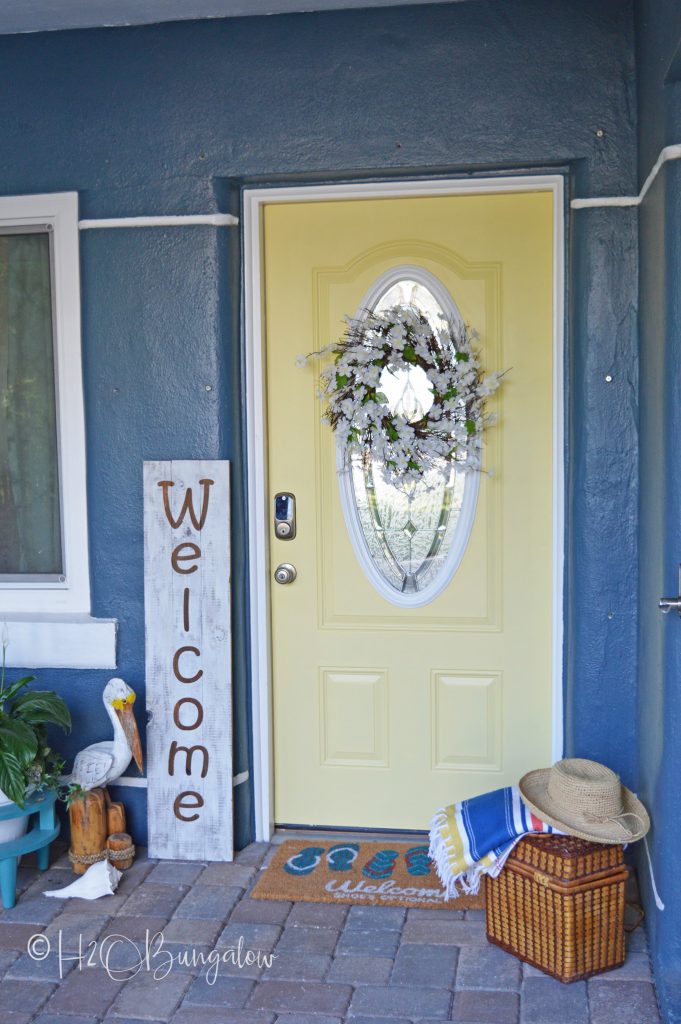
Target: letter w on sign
point(187, 504)
point(188, 659)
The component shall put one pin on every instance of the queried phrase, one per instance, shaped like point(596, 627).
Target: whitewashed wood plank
point(188, 627)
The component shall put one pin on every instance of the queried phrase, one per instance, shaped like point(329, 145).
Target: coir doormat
point(387, 874)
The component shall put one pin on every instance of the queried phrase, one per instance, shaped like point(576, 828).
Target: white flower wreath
point(408, 443)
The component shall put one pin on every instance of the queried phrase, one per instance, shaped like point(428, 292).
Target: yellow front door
point(385, 711)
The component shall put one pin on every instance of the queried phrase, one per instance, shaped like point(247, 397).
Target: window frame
point(59, 213)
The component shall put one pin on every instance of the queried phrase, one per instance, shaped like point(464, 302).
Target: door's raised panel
point(466, 721)
point(353, 709)
point(473, 600)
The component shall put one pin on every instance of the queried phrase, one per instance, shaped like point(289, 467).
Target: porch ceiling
point(50, 15)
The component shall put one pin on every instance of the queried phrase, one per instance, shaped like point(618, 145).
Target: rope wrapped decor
point(114, 856)
point(118, 855)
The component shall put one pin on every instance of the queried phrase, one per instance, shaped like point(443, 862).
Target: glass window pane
point(410, 528)
point(30, 528)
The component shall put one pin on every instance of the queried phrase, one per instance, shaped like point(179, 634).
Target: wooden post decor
point(188, 659)
point(116, 817)
point(89, 829)
point(120, 850)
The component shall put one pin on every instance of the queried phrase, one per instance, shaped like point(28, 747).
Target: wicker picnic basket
point(558, 904)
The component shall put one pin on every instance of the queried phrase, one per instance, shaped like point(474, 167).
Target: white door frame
point(256, 438)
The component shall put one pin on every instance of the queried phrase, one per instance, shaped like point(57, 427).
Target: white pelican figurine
point(102, 763)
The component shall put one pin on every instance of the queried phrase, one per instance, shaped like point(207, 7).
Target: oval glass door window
point(409, 537)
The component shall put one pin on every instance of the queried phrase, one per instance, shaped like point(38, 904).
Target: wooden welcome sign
point(188, 659)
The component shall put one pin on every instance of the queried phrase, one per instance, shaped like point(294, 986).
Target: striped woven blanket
point(475, 837)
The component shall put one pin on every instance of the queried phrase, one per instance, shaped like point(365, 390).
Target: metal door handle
point(285, 573)
point(666, 604)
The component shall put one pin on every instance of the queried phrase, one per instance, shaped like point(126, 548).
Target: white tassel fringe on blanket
point(474, 838)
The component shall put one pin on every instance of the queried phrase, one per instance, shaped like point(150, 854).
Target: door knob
point(666, 604)
point(285, 573)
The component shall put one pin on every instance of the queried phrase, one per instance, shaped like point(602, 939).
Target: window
point(30, 517)
point(409, 538)
point(44, 571)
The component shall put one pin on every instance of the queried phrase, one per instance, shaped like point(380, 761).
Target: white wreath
point(400, 339)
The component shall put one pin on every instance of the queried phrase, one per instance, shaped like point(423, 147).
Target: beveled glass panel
point(413, 533)
point(30, 521)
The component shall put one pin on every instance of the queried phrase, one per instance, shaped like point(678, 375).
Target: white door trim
point(256, 438)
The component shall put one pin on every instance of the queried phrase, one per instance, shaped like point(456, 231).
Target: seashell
point(101, 879)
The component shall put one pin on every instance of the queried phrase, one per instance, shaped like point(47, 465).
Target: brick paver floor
point(74, 962)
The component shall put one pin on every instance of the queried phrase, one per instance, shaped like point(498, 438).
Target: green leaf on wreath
point(341, 380)
point(470, 426)
point(381, 397)
point(409, 353)
point(391, 432)
point(461, 357)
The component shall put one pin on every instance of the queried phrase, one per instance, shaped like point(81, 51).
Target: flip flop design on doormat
point(381, 865)
point(342, 856)
point(418, 861)
point(394, 874)
point(305, 862)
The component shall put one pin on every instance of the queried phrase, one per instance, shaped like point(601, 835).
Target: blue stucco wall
point(603, 490)
point(658, 38)
point(172, 119)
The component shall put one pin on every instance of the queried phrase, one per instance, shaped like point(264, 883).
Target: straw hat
point(585, 799)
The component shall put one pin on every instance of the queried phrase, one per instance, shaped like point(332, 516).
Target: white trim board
point(216, 220)
point(256, 433)
point(60, 641)
point(666, 154)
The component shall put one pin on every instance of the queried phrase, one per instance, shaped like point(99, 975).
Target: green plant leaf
point(409, 353)
point(12, 778)
point(470, 426)
point(18, 739)
point(381, 397)
point(13, 689)
point(341, 380)
point(39, 707)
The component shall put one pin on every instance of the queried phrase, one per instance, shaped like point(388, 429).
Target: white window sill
point(60, 641)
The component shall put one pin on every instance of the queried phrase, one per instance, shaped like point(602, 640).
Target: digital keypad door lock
point(285, 515)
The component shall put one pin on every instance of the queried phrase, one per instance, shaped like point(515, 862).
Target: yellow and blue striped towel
point(475, 837)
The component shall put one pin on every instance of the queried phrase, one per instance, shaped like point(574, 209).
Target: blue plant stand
point(41, 832)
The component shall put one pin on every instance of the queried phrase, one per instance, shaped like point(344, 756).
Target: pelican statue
point(102, 763)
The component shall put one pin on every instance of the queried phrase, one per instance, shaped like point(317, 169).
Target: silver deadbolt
point(285, 515)
point(285, 573)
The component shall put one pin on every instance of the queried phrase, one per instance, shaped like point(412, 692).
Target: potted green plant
point(27, 762)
